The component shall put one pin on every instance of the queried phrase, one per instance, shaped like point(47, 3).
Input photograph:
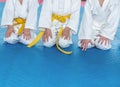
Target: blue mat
point(47, 67)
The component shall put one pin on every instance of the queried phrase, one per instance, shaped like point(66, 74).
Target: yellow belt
point(61, 19)
point(18, 21)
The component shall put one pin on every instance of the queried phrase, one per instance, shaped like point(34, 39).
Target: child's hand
point(27, 34)
point(47, 34)
point(66, 33)
point(9, 31)
point(84, 44)
point(103, 39)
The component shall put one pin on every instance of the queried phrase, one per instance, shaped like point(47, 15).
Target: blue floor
point(47, 67)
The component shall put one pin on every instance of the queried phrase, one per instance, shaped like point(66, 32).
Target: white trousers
point(96, 44)
point(14, 38)
point(62, 42)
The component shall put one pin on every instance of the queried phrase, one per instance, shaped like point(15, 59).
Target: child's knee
point(102, 46)
point(48, 44)
point(12, 39)
point(26, 42)
point(89, 45)
point(64, 43)
point(51, 42)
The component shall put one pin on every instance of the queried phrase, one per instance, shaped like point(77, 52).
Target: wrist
point(67, 28)
point(47, 29)
point(10, 26)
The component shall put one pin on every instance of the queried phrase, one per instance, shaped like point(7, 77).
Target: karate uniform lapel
point(105, 4)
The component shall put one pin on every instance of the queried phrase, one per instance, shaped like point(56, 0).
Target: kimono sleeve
point(75, 14)
point(45, 16)
point(8, 14)
point(112, 23)
point(31, 19)
point(86, 24)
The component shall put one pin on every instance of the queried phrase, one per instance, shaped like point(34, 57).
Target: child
point(56, 15)
point(99, 24)
point(19, 16)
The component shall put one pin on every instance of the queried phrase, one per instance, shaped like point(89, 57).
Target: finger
point(29, 36)
point(7, 34)
point(82, 44)
point(26, 36)
point(102, 41)
point(63, 35)
point(69, 36)
point(99, 40)
point(45, 39)
point(50, 34)
point(106, 42)
point(83, 47)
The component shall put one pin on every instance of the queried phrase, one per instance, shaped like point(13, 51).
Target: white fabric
point(60, 7)
point(27, 10)
point(101, 46)
point(89, 45)
point(100, 20)
point(14, 38)
point(96, 44)
point(26, 42)
point(62, 42)
point(51, 41)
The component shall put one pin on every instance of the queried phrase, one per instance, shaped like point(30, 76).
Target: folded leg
point(89, 45)
point(64, 43)
point(51, 41)
point(12, 39)
point(26, 42)
point(102, 46)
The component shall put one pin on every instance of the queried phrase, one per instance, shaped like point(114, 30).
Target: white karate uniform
point(99, 20)
point(59, 7)
point(27, 10)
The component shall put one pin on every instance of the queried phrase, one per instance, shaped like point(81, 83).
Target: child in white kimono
point(20, 17)
point(99, 24)
point(58, 14)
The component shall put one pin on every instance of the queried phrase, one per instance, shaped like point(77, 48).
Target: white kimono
point(60, 7)
point(27, 10)
point(99, 20)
